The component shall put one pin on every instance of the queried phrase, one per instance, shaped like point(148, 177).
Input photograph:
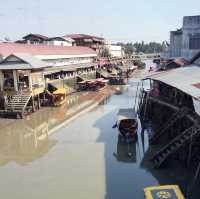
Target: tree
point(151, 47)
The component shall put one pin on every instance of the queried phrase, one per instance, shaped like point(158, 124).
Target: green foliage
point(140, 64)
point(138, 47)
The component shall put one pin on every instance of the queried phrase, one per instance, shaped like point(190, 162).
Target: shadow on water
point(127, 176)
point(124, 177)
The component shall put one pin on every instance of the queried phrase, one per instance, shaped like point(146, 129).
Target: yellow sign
point(163, 194)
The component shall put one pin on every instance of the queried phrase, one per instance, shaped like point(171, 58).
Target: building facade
point(64, 63)
point(33, 39)
point(115, 51)
point(60, 41)
point(185, 42)
point(175, 43)
point(94, 42)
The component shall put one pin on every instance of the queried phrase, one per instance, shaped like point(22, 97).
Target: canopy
point(59, 91)
point(124, 114)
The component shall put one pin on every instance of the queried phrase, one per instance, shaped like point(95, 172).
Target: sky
point(116, 20)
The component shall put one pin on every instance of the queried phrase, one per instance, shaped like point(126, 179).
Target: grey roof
point(27, 62)
point(126, 114)
point(186, 79)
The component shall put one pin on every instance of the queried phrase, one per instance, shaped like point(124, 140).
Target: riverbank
point(56, 117)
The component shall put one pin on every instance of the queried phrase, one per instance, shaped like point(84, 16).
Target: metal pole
point(145, 108)
point(136, 95)
point(140, 97)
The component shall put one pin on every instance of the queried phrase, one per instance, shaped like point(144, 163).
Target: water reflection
point(125, 152)
point(22, 143)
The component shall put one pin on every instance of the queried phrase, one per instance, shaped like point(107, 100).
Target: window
point(194, 42)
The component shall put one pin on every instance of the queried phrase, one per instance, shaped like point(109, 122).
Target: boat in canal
point(59, 97)
point(127, 125)
point(92, 84)
point(165, 191)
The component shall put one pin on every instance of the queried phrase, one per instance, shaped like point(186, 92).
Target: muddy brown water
point(81, 160)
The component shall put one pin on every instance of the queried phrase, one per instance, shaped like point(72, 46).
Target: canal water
point(81, 160)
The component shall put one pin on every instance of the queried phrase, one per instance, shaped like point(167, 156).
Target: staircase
point(18, 102)
point(174, 145)
point(161, 130)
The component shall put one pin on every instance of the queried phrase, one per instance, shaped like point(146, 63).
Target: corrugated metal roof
point(28, 62)
point(184, 79)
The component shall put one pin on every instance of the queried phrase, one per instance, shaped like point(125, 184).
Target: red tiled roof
point(10, 48)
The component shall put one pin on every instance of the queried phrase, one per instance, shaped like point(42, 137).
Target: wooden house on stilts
point(35, 75)
point(172, 104)
point(21, 82)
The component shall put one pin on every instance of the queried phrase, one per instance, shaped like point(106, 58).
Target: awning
point(59, 91)
point(71, 68)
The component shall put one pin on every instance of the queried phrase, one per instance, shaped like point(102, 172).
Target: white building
point(115, 51)
point(60, 41)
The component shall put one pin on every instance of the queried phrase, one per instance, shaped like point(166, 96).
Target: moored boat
point(59, 97)
point(127, 124)
point(92, 84)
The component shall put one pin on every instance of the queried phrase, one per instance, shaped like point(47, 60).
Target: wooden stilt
point(39, 105)
point(146, 105)
point(33, 104)
point(136, 95)
point(190, 149)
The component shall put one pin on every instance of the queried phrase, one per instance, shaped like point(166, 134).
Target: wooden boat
point(59, 97)
point(92, 84)
point(127, 124)
point(166, 191)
